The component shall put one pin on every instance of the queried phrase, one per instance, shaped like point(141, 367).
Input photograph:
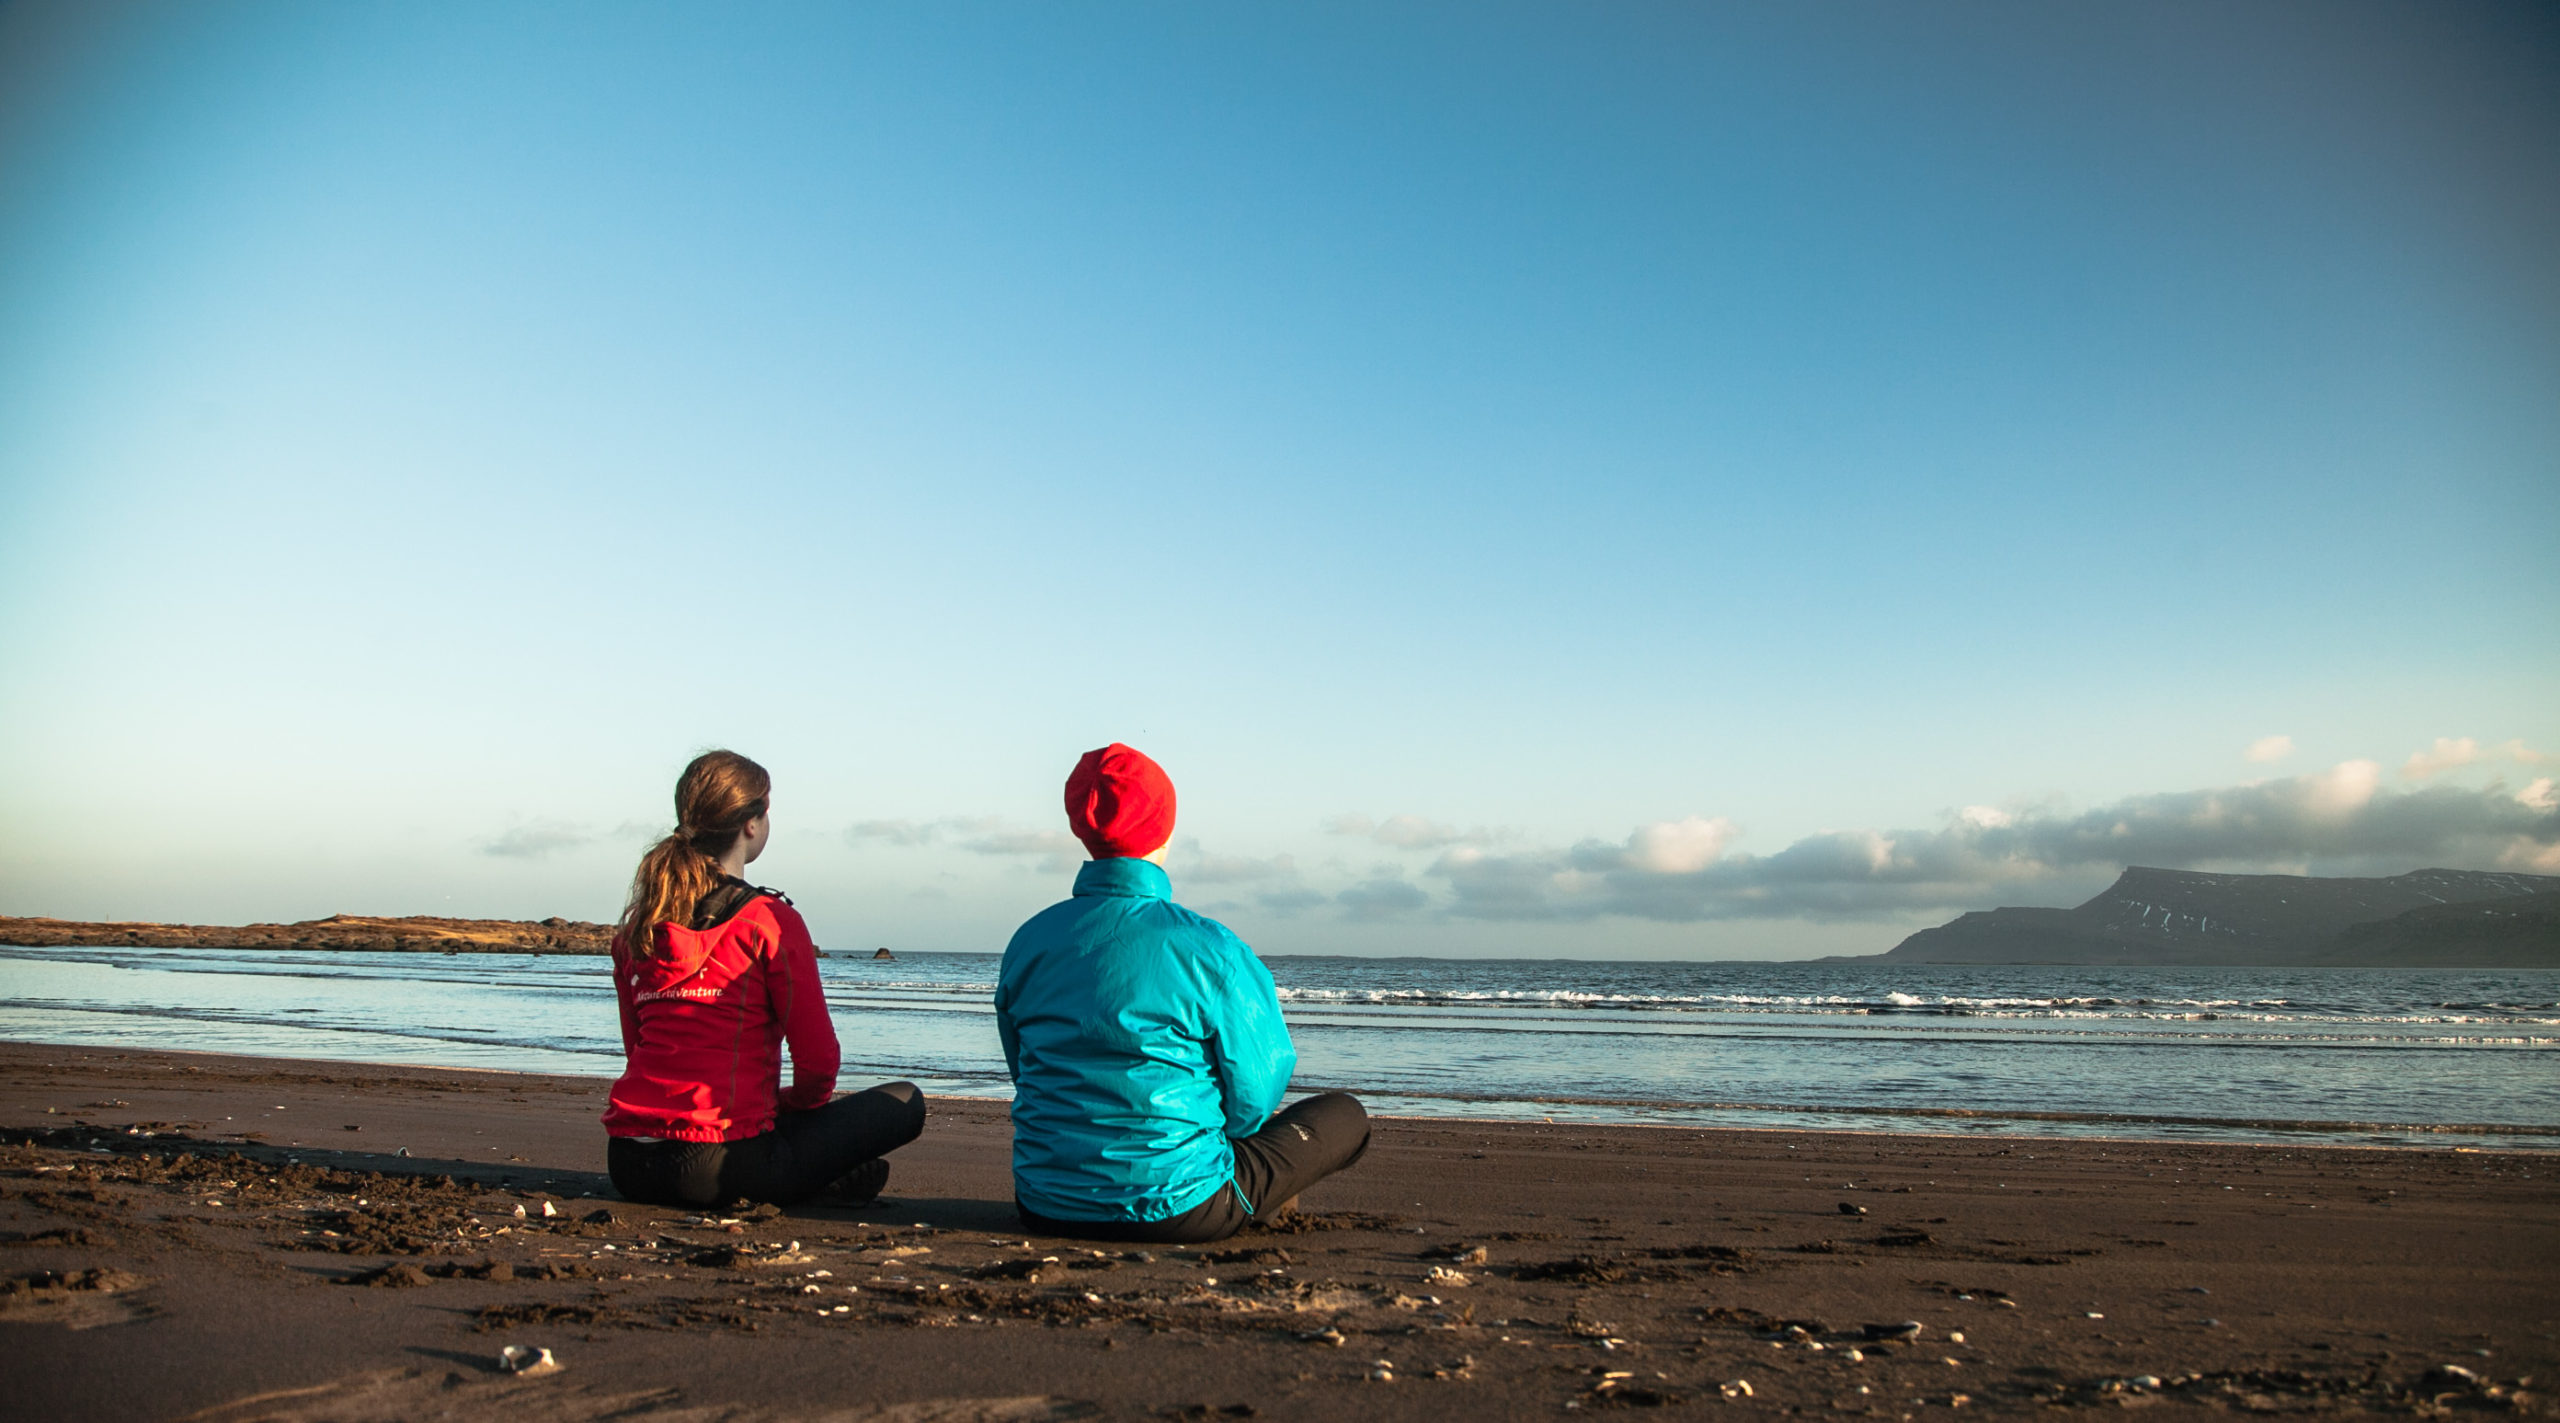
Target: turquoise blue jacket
point(1141, 1036)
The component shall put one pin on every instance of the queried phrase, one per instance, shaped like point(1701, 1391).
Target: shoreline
point(565, 938)
point(1883, 1120)
point(1620, 1267)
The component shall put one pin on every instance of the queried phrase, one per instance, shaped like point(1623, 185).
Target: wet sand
point(238, 1238)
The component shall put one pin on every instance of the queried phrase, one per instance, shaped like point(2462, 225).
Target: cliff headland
point(2423, 919)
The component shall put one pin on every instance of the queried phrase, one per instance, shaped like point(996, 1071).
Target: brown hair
point(715, 798)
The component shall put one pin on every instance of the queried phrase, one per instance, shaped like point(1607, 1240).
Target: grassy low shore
point(364, 933)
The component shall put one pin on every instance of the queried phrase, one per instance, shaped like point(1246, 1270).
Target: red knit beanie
point(1120, 803)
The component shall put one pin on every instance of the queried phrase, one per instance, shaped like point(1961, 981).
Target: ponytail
point(715, 798)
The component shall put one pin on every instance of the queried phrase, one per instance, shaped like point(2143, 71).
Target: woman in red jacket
point(715, 975)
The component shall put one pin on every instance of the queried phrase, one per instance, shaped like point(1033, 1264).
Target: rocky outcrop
point(2430, 918)
point(414, 934)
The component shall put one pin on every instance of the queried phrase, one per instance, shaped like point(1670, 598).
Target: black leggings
point(804, 1153)
point(1294, 1150)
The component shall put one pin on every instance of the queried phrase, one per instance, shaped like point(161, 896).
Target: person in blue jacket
point(1146, 1046)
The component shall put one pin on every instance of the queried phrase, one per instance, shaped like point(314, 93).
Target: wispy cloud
point(1382, 898)
point(2269, 748)
point(919, 832)
point(536, 840)
point(1206, 868)
point(2452, 753)
point(977, 834)
point(1288, 903)
point(1409, 832)
point(1050, 843)
point(1680, 870)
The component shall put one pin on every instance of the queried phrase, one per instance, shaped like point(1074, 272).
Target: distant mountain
point(415, 934)
point(2426, 918)
point(2522, 932)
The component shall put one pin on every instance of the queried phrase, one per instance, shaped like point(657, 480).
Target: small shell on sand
point(527, 1361)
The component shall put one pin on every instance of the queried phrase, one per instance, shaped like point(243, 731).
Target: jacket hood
point(681, 954)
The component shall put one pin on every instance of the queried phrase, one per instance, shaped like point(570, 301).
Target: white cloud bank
point(2344, 820)
point(1683, 871)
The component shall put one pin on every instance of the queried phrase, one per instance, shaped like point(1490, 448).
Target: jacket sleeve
point(1007, 1031)
point(1248, 1042)
point(622, 1001)
point(800, 1002)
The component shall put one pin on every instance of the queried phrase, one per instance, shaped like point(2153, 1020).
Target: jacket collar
point(1125, 879)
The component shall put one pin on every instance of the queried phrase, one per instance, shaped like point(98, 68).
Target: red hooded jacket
point(703, 1024)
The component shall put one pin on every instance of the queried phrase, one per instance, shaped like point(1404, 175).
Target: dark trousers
point(804, 1153)
point(1294, 1150)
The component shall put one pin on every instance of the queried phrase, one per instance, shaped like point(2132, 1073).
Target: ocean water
point(2432, 1057)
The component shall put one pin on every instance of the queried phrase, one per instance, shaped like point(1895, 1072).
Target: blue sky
point(1620, 481)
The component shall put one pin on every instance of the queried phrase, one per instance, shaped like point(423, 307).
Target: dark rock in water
point(2426, 918)
point(883, 953)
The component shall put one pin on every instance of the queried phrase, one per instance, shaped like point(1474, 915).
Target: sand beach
point(192, 1235)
